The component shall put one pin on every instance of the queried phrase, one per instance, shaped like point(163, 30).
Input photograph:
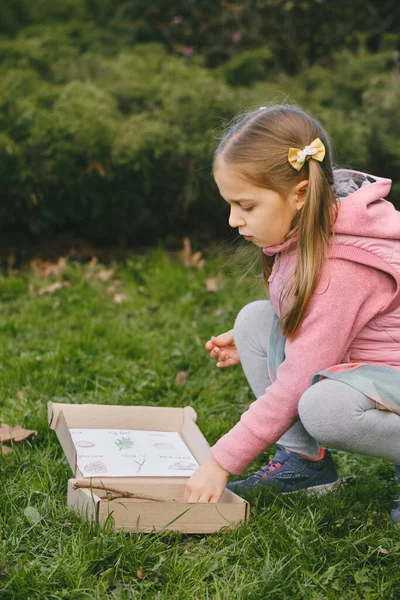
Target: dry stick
point(113, 493)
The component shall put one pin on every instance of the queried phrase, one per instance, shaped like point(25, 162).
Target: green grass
point(78, 345)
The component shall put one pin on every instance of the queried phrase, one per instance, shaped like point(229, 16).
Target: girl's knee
point(330, 409)
point(309, 407)
point(252, 315)
point(318, 409)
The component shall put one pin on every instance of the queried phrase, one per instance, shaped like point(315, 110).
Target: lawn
point(121, 338)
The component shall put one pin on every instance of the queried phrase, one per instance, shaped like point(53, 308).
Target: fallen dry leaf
point(50, 289)
point(197, 261)
point(213, 284)
point(189, 259)
point(140, 573)
point(218, 312)
point(181, 378)
point(90, 271)
point(115, 287)
point(119, 298)
point(96, 165)
point(42, 269)
point(105, 274)
point(5, 450)
point(9, 433)
point(383, 551)
point(31, 290)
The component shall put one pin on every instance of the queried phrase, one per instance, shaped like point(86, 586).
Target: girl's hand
point(208, 483)
point(222, 347)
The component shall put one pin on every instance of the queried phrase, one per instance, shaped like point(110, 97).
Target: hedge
point(118, 149)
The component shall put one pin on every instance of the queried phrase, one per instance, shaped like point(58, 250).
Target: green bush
point(118, 149)
point(300, 34)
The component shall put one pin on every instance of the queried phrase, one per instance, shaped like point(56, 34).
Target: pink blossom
point(188, 51)
point(177, 20)
point(236, 36)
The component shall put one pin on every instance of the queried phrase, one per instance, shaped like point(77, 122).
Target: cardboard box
point(132, 514)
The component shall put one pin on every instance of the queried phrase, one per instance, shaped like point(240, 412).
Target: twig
point(113, 493)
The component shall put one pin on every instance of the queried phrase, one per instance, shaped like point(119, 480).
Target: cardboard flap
point(64, 436)
point(190, 413)
point(194, 439)
point(103, 416)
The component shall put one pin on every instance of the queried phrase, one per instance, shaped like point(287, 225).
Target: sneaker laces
point(271, 466)
point(275, 462)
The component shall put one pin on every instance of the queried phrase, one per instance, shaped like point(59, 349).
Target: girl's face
point(262, 215)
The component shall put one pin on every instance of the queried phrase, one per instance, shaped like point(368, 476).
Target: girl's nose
point(235, 220)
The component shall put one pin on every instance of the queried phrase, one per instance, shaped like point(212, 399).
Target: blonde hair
point(258, 147)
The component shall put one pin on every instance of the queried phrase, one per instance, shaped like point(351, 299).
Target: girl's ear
point(300, 191)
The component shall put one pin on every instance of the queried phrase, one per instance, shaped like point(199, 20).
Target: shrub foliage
point(112, 140)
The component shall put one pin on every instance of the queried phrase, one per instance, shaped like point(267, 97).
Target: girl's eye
point(248, 209)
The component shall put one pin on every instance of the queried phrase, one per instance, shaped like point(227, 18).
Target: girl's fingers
point(229, 362)
point(205, 497)
point(216, 497)
point(194, 497)
point(224, 339)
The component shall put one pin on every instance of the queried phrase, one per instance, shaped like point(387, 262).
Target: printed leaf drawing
point(124, 443)
point(84, 444)
point(183, 465)
point(96, 467)
point(164, 446)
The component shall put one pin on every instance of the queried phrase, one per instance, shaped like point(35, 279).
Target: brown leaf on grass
point(189, 259)
point(119, 298)
point(42, 269)
point(96, 165)
point(115, 287)
point(20, 395)
point(218, 312)
point(383, 550)
point(90, 271)
point(5, 450)
point(31, 290)
point(181, 378)
point(105, 274)
point(197, 261)
point(140, 573)
point(213, 284)
point(17, 433)
point(50, 289)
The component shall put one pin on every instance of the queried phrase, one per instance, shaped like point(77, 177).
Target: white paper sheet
point(132, 453)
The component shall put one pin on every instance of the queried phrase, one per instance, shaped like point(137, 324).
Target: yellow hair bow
point(315, 150)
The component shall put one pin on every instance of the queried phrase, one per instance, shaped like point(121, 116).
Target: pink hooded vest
point(367, 231)
point(353, 316)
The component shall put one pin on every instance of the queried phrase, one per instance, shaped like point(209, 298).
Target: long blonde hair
point(258, 147)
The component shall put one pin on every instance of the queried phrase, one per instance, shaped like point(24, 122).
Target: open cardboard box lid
point(133, 514)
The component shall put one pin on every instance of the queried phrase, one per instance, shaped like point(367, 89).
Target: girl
point(323, 355)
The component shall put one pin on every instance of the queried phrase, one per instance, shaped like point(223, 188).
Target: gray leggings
point(332, 412)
